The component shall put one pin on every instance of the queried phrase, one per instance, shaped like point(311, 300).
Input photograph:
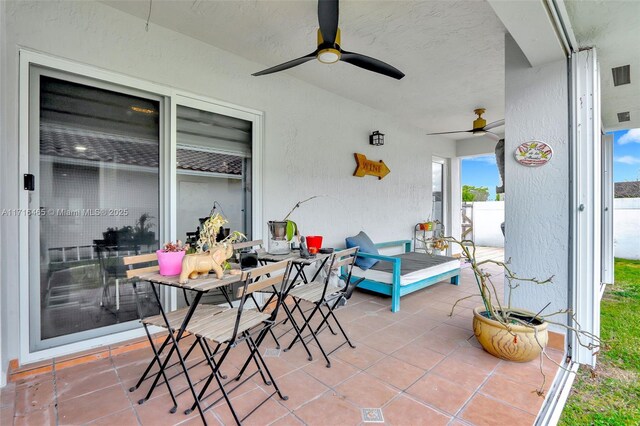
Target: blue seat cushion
point(363, 241)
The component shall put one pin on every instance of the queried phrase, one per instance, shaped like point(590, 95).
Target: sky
point(482, 170)
point(626, 155)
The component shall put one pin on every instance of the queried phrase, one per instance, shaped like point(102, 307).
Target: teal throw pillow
point(363, 241)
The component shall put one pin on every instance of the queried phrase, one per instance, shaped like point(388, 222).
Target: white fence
point(488, 215)
point(626, 228)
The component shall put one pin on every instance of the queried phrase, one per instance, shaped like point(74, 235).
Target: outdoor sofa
point(398, 275)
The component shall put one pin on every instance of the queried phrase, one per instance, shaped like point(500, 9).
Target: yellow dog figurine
point(195, 265)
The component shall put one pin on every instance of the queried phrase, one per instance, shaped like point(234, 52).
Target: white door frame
point(168, 207)
point(27, 59)
point(446, 191)
point(607, 213)
point(586, 202)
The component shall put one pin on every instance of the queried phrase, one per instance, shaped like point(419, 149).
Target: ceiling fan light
point(479, 132)
point(328, 56)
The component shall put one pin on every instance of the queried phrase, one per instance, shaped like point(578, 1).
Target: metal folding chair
point(237, 325)
point(173, 321)
point(322, 296)
point(270, 293)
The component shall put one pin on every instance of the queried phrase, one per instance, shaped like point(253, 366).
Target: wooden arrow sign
point(370, 167)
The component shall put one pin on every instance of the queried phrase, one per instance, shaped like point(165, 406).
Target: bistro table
point(176, 322)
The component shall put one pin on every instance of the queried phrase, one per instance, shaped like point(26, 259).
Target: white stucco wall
point(537, 242)
point(487, 217)
point(626, 228)
point(310, 134)
point(475, 145)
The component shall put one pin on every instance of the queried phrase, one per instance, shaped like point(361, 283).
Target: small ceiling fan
point(329, 50)
point(480, 126)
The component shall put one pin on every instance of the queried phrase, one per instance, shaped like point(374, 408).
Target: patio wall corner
point(537, 198)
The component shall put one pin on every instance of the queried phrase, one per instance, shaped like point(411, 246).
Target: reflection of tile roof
point(62, 141)
point(204, 161)
point(627, 189)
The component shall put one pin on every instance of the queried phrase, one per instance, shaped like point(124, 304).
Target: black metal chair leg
point(153, 361)
point(275, 338)
point(341, 329)
point(324, 321)
point(307, 324)
point(266, 368)
point(214, 368)
point(298, 333)
point(252, 355)
point(211, 354)
point(324, 354)
point(259, 340)
point(163, 367)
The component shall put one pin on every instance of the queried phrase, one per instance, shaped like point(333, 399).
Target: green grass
point(610, 394)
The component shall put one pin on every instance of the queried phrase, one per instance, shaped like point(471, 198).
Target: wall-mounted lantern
point(376, 138)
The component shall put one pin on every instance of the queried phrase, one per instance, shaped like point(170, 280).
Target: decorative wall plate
point(533, 153)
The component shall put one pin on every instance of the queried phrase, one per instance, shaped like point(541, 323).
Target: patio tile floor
point(418, 366)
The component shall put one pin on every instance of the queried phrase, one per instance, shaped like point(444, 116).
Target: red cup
point(314, 241)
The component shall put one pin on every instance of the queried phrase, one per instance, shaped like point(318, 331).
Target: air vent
point(624, 116)
point(621, 75)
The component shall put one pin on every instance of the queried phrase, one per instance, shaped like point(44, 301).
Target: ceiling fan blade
point(287, 65)
point(448, 133)
point(328, 19)
point(492, 135)
point(495, 124)
point(371, 64)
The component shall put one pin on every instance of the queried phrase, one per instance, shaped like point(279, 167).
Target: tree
point(474, 193)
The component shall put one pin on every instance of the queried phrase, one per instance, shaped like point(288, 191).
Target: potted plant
point(210, 231)
point(505, 331)
point(170, 258)
point(427, 225)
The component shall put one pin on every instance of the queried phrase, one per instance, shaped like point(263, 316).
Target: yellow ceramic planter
point(494, 337)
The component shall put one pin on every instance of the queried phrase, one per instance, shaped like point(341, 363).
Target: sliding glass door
point(94, 161)
point(111, 171)
point(213, 172)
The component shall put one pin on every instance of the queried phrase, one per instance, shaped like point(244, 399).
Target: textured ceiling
point(452, 52)
point(613, 27)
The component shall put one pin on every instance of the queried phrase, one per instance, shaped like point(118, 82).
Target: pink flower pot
point(170, 263)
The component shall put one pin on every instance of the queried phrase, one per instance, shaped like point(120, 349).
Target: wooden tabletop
point(294, 257)
point(199, 284)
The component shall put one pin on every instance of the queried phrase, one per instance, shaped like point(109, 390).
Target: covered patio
point(127, 125)
point(417, 365)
